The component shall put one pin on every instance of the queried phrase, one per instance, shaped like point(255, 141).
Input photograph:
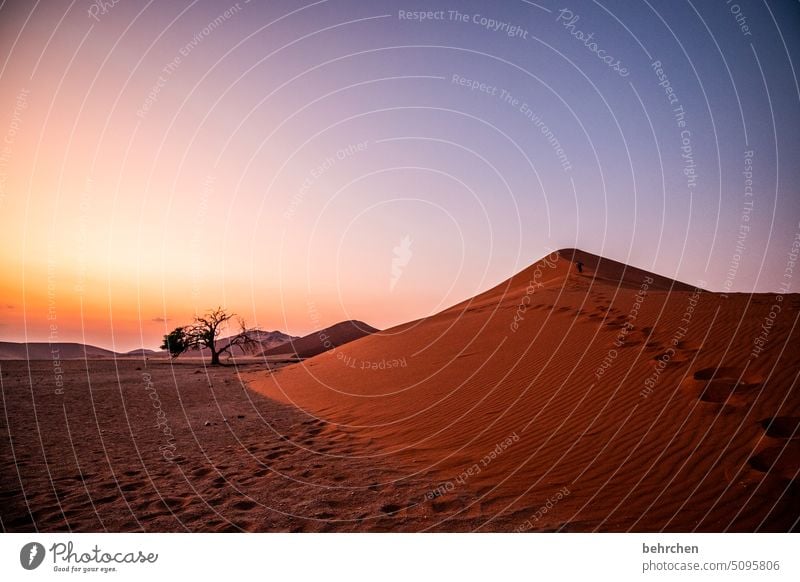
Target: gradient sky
point(162, 158)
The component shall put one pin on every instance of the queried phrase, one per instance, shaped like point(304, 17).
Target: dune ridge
point(639, 394)
point(322, 340)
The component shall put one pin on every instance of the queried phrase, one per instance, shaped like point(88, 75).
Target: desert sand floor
point(93, 459)
point(557, 401)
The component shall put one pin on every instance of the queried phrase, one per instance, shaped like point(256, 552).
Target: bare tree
point(205, 332)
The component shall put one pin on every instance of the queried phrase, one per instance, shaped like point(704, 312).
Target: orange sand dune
point(612, 399)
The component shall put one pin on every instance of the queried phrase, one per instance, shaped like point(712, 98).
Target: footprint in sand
point(633, 340)
point(244, 505)
point(391, 508)
point(177, 502)
point(783, 459)
point(782, 427)
point(202, 472)
point(687, 346)
point(724, 385)
point(144, 505)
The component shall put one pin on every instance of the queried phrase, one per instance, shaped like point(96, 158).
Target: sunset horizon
point(53, 334)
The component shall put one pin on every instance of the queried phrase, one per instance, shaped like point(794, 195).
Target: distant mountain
point(141, 352)
point(54, 351)
point(322, 340)
point(267, 339)
point(77, 351)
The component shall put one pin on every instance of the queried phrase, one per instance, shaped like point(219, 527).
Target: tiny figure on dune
point(579, 264)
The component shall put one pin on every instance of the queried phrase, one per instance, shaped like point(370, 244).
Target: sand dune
point(322, 340)
point(48, 351)
point(655, 405)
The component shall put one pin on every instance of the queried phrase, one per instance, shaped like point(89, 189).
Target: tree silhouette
point(175, 342)
point(204, 332)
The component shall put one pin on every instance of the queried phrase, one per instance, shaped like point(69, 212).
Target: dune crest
point(322, 340)
point(633, 390)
